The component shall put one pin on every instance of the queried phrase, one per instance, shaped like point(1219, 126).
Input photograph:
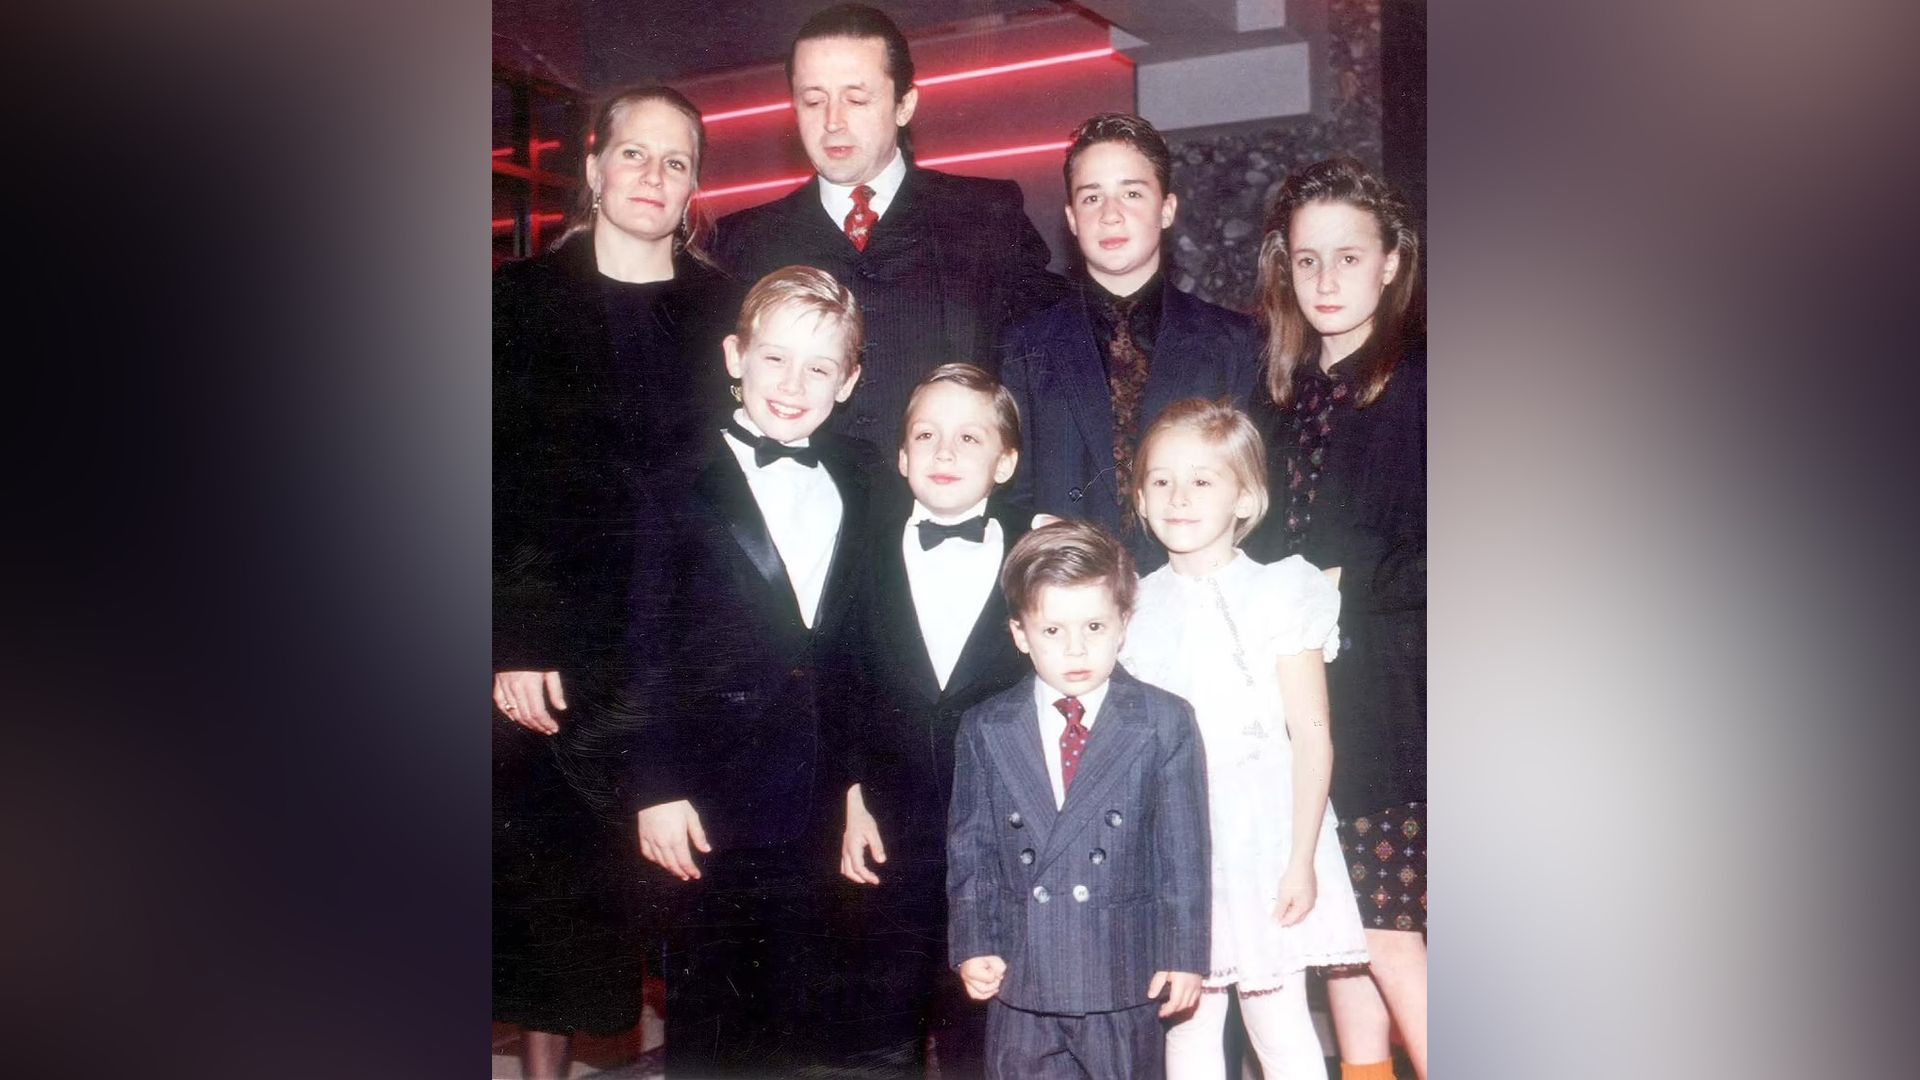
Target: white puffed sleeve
point(1301, 608)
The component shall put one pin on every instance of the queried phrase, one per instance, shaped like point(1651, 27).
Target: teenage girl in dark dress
point(1345, 415)
point(606, 355)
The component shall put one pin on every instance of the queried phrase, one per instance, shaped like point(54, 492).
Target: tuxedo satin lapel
point(900, 620)
point(838, 593)
point(1084, 379)
point(1117, 733)
point(1013, 739)
point(990, 634)
point(724, 487)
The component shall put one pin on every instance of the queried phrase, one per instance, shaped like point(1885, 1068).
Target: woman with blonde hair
point(606, 356)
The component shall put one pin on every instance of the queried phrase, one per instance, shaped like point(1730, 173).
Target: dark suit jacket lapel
point(724, 488)
point(836, 594)
point(944, 226)
point(1083, 379)
point(1013, 738)
point(1179, 354)
point(899, 618)
point(990, 634)
point(1117, 731)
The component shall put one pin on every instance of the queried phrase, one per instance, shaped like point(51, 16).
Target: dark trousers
point(1128, 1044)
point(747, 965)
point(898, 989)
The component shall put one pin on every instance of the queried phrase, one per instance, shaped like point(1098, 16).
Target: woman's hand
point(862, 833)
point(523, 696)
point(1297, 893)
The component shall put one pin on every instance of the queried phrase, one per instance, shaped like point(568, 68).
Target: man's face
point(849, 120)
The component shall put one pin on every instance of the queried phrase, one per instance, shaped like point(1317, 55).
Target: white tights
point(1278, 1025)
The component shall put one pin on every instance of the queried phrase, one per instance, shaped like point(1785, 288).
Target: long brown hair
point(1291, 339)
point(691, 236)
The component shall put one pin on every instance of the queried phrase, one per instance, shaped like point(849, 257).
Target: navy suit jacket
point(1086, 902)
point(725, 709)
point(1052, 364)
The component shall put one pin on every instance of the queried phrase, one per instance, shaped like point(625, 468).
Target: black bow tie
point(767, 450)
point(932, 533)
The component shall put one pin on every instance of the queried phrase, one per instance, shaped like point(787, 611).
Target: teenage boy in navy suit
point(1078, 869)
point(1092, 371)
point(746, 561)
point(931, 643)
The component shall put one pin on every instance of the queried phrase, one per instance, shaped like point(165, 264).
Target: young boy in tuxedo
point(1093, 371)
point(931, 643)
point(1078, 868)
point(746, 559)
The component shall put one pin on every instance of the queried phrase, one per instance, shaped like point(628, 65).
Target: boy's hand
point(982, 975)
point(1297, 893)
point(664, 832)
point(522, 696)
point(862, 832)
point(1183, 987)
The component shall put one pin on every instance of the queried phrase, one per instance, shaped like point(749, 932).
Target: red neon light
point(949, 159)
point(503, 224)
point(957, 76)
point(538, 145)
point(503, 151)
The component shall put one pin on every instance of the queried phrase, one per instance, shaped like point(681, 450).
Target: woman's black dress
point(1349, 489)
point(595, 381)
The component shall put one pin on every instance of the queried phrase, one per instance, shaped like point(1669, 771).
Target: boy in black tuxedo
point(1092, 371)
point(746, 561)
point(931, 642)
point(1079, 874)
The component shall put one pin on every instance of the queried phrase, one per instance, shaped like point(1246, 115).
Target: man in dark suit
point(747, 553)
point(940, 263)
point(1079, 870)
point(1092, 371)
point(930, 643)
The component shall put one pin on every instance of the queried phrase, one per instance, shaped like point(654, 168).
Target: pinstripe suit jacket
point(1085, 902)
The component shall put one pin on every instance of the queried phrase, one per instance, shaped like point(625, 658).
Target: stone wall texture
point(1226, 182)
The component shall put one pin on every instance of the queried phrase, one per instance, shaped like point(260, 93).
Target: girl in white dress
point(1245, 644)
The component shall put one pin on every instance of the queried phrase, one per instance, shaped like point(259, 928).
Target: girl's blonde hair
point(1226, 427)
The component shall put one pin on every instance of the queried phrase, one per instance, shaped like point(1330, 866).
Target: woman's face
point(1340, 266)
point(644, 175)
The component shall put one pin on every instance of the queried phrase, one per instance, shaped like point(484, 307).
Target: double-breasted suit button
point(1026, 857)
point(1080, 894)
point(1041, 894)
point(1014, 819)
point(1114, 819)
point(1097, 856)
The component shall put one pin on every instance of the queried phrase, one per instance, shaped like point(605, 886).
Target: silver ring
point(508, 707)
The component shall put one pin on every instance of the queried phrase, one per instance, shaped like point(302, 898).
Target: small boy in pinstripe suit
point(1078, 864)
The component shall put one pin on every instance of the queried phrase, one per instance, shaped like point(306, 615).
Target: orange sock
point(1379, 1070)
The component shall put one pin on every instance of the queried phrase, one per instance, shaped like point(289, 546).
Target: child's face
point(1190, 496)
point(1340, 266)
point(792, 372)
point(1073, 633)
point(953, 455)
point(1115, 209)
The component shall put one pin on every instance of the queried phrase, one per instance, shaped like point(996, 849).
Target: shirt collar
point(1044, 696)
point(921, 513)
point(838, 198)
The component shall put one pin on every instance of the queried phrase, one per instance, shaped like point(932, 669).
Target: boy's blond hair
point(1006, 412)
point(810, 290)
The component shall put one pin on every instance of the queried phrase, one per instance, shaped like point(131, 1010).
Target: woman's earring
point(735, 391)
point(596, 203)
